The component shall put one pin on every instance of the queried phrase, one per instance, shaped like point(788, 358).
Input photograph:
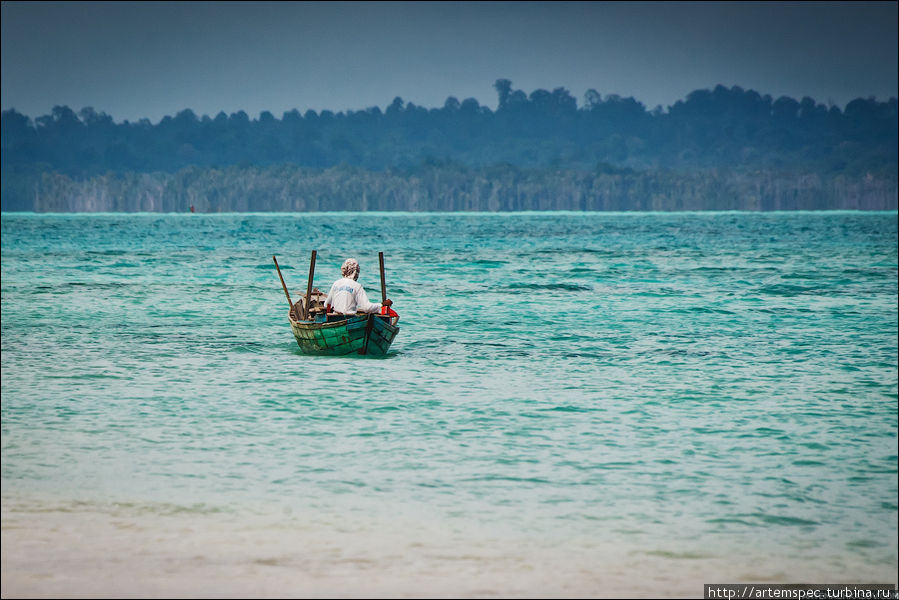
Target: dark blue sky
point(134, 59)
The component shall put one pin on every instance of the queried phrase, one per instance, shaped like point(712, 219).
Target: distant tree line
point(725, 135)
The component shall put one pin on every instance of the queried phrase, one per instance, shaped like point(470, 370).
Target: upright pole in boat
point(309, 285)
point(283, 285)
point(383, 281)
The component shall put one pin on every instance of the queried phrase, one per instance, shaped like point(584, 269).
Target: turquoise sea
point(576, 405)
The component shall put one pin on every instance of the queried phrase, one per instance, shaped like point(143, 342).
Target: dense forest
point(726, 148)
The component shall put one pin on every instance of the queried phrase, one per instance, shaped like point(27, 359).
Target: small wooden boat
point(335, 334)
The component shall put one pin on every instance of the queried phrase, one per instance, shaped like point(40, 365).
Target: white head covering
point(350, 268)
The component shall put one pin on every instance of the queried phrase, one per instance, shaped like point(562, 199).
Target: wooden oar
point(283, 285)
point(383, 281)
point(309, 285)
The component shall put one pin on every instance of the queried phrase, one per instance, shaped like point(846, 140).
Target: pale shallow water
point(576, 404)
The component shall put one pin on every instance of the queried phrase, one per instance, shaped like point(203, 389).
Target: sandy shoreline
point(132, 551)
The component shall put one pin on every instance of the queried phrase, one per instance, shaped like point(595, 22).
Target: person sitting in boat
point(347, 295)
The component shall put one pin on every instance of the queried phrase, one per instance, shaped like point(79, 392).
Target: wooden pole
point(283, 285)
point(309, 285)
point(383, 280)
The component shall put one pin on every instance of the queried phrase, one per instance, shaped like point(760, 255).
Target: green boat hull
point(356, 334)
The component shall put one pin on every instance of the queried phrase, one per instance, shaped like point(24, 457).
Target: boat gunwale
point(342, 322)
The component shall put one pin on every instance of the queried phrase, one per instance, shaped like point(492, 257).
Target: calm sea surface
point(575, 404)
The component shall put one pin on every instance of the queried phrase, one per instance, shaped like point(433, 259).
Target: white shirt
point(348, 297)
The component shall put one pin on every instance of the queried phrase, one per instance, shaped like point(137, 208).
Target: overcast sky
point(137, 60)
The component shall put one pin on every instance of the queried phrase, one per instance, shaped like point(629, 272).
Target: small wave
point(86, 376)
point(728, 521)
point(814, 445)
point(678, 555)
point(510, 479)
point(788, 290)
point(584, 355)
point(567, 287)
point(808, 463)
point(781, 520)
point(865, 544)
point(613, 466)
point(249, 348)
point(703, 310)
